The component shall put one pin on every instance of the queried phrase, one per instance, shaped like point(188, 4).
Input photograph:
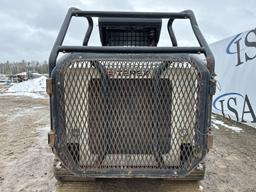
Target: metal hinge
point(51, 138)
point(210, 141)
point(212, 89)
point(49, 82)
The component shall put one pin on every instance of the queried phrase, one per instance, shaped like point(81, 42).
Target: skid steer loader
point(128, 108)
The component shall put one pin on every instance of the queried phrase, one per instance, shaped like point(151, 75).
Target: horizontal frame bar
point(180, 15)
point(117, 49)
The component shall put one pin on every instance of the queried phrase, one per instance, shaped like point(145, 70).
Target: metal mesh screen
point(129, 38)
point(129, 114)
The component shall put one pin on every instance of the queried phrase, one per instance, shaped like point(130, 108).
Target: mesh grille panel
point(129, 38)
point(129, 114)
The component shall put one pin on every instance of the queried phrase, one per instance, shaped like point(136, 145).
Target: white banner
point(235, 59)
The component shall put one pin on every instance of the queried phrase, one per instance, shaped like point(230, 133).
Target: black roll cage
point(187, 14)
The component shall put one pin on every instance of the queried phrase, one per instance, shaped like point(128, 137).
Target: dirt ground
point(26, 160)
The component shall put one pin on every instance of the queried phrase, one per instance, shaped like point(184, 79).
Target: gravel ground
point(26, 160)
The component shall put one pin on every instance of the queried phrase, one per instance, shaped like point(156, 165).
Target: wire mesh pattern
point(130, 38)
point(130, 114)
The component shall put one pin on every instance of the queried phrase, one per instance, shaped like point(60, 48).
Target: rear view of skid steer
point(128, 108)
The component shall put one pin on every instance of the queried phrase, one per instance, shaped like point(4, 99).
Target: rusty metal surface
point(51, 138)
point(210, 141)
point(49, 86)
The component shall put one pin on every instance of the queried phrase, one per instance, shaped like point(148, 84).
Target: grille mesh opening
point(127, 38)
point(133, 109)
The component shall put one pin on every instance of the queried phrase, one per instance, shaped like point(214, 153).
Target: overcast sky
point(28, 28)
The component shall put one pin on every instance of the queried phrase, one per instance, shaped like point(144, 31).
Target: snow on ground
point(33, 88)
point(31, 85)
point(216, 122)
point(215, 126)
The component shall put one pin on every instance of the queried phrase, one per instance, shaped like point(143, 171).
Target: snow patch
point(34, 88)
point(58, 166)
point(30, 86)
point(215, 126)
point(233, 128)
point(33, 95)
point(38, 107)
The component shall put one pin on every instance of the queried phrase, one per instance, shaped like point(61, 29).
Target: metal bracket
point(210, 141)
point(49, 82)
point(51, 138)
point(212, 90)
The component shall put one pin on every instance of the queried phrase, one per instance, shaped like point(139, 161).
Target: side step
point(62, 174)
